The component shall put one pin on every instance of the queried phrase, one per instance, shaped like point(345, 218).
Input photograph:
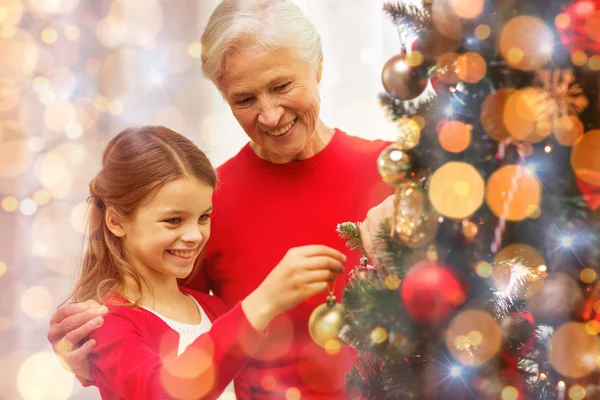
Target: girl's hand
point(302, 273)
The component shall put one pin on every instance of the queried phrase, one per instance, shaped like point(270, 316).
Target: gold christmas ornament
point(326, 322)
point(415, 220)
point(393, 164)
point(409, 133)
point(403, 77)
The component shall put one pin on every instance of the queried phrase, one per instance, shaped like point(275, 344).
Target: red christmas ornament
point(360, 273)
point(576, 24)
point(591, 194)
point(430, 293)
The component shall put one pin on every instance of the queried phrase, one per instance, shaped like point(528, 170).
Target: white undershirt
point(188, 333)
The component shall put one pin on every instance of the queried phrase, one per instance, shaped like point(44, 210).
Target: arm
point(125, 363)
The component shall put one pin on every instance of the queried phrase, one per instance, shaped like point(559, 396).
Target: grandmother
point(290, 186)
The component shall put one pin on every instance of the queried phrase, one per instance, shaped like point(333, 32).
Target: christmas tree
point(483, 282)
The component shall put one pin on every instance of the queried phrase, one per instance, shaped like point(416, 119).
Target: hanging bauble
point(361, 272)
point(404, 77)
point(415, 220)
point(326, 322)
point(518, 333)
point(578, 26)
point(430, 293)
point(409, 133)
point(393, 164)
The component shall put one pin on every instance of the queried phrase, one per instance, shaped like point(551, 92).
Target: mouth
point(283, 130)
point(185, 255)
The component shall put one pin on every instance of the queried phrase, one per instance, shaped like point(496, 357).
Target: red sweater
point(261, 211)
point(136, 356)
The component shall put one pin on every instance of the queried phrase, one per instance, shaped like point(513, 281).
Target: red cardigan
point(136, 354)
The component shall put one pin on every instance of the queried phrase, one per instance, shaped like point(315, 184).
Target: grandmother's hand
point(371, 224)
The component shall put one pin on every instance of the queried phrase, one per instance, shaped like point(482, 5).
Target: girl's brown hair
point(135, 164)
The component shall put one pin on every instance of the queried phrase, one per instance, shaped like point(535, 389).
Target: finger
point(79, 354)
point(323, 262)
point(315, 288)
point(71, 309)
point(320, 275)
point(321, 250)
point(71, 327)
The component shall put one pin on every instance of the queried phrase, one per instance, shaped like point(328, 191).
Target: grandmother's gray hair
point(272, 24)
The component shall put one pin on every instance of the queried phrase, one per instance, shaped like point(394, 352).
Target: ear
point(320, 69)
point(114, 222)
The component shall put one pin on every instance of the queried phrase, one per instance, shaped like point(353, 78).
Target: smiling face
point(274, 96)
point(165, 235)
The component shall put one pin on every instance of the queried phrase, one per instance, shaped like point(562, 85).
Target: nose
point(194, 234)
point(270, 113)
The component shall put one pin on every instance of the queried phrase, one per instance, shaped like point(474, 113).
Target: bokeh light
point(592, 26)
point(584, 157)
point(3, 268)
point(568, 129)
point(36, 302)
point(455, 136)
point(526, 43)
point(588, 275)
point(471, 67)
point(10, 94)
point(15, 158)
point(41, 377)
point(473, 337)
point(482, 31)
point(513, 192)
point(28, 207)
point(20, 56)
point(11, 12)
point(492, 114)
point(446, 68)
point(456, 190)
point(467, 8)
point(573, 351)
point(10, 204)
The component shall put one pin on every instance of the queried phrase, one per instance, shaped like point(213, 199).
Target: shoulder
point(362, 145)
point(233, 163)
point(210, 304)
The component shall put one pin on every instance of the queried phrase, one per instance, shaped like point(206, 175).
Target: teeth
point(282, 130)
point(184, 254)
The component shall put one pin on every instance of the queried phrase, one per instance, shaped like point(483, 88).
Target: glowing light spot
point(584, 157)
point(392, 282)
point(579, 58)
point(573, 350)
point(483, 269)
point(49, 35)
point(51, 380)
point(456, 190)
point(28, 207)
point(10, 204)
point(115, 107)
point(562, 21)
point(3, 268)
point(268, 383)
point(577, 392)
point(73, 130)
point(292, 394)
point(72, 33)
point(592, 327)
point(510, 393)
point(332, 346)
point(587, 275)
point(594, 63)
point(483, 32)
point(455, 371)
point(36, 302)
point(469, 229)
point(379, 335)
point(455, 136)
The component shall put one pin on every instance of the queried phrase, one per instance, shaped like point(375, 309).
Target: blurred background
point(72, 75)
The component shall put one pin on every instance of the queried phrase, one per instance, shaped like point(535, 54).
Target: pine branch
point(364, 381)
point(417, 18)
point(351, 233)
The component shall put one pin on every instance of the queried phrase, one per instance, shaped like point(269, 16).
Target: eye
point(204, 218)
point(173, 221)
point(244, 101)
point(282, 87)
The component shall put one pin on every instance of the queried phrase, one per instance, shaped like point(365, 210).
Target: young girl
point(150, 218)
